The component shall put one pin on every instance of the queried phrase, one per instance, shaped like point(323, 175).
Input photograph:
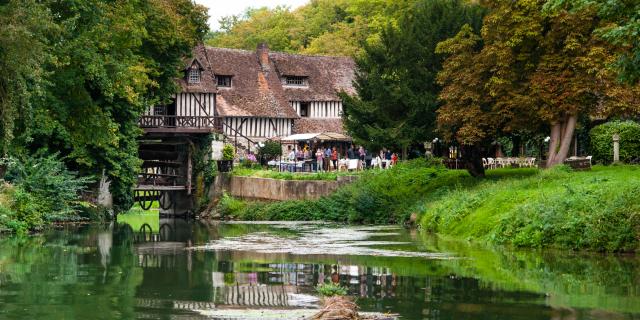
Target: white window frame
point(295, 81)
point(194, 75)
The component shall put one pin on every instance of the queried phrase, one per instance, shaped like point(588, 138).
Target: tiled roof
point(326, 76)
point(257, 77)
point(314, 125)
point(207, 83)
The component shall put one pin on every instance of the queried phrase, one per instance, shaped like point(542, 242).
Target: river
point(193, 270)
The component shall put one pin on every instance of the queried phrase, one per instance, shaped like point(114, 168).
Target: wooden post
point(616, 148)
point(189, 169)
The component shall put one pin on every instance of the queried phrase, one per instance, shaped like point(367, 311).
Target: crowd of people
point(328, 158)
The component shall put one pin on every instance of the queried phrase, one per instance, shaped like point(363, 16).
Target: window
point(295, 81)
point(194, 75)
point(304, 109)
point(224, 81)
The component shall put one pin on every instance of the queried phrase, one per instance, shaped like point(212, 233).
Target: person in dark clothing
point(350, 153)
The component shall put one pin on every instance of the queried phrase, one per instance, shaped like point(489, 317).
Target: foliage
point(39, 190)
point(602, 141)
point(87, 70)
point(229, 205)
point(530, 72)
point(594, 210)
point(270, 150)
point(228, 152)
point(261, 173)
point(396, 79)
point(331, 289)
point(622, 28)
point(332, 27)
point(387, 196)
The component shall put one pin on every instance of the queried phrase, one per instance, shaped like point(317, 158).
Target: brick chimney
point(263, 56)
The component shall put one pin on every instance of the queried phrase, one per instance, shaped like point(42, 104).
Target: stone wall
point(250, 188)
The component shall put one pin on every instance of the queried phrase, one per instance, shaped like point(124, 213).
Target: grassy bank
point(378, 196)
point(595, 210)
point(260, 173)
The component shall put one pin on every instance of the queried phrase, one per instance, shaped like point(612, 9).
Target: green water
point(116, 272)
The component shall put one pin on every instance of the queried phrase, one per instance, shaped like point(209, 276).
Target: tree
point(621, 28)
point(396, 78)
point(102, 63)
point(527, 71)
point(331, 27)
point(26, 26)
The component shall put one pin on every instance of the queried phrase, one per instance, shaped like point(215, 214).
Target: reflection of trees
point(570, 279)
point(60, 279)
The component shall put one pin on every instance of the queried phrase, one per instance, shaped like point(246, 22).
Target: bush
point(270, 150)
point(228, 152)
point(602, 141)
point(40, 190)
point(331, 289)
point(387, 196)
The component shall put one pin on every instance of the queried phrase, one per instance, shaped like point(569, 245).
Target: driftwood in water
point(342, 308)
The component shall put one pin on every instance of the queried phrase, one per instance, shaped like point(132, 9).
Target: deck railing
point(200, 122)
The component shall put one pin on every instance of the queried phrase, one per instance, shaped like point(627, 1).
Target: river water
point(174, 269)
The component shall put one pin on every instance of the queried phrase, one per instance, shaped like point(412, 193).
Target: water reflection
point(128, 270)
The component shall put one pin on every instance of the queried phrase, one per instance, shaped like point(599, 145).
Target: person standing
point(319, 157)
point(327, 158)
point(334, 158)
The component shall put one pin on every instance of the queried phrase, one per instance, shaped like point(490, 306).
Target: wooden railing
point(180, 122)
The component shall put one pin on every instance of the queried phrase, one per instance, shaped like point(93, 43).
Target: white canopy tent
point(325, 136)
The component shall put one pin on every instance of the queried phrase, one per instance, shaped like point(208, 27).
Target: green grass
point(378, 196)
point(594, 210)
point(260, 173)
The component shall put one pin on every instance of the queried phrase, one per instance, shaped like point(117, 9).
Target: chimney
point(263, 56)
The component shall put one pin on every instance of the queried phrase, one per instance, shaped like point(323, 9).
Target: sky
point(221, 8)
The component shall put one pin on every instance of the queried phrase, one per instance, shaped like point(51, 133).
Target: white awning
point(325, 136)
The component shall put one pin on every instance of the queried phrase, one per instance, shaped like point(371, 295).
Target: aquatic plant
point(331, 289)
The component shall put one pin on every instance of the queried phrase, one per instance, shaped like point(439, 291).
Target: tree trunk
point(473, 160)
point(517, 144)
point(559, 149)
point(404, 153)
point(553, 144)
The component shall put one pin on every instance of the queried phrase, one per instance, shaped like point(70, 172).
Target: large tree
point(396, 77)
point(621, 28)
point(527, 71)
point(102, 62)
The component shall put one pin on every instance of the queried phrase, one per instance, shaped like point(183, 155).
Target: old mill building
point(256, 94)
point(245, 97)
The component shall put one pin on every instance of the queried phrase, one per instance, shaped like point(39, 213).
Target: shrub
point(270, 150)
point(41, 190)
point(602, 142)
point(331, 289)
point(228, 152)
point(230, 206)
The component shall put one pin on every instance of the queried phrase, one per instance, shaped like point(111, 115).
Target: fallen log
point(343, 308)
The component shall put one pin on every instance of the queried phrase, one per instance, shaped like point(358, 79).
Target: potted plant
point(228, 153)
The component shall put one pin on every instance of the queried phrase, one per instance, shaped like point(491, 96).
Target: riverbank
point(593, 210)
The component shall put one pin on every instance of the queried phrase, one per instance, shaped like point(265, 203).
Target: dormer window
point(295, 81)
point(194, 75)
point(224, 81)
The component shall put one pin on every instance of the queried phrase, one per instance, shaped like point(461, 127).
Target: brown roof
point(257, 89)
point(326, 76)
point(314, 125)
point(207, 83)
